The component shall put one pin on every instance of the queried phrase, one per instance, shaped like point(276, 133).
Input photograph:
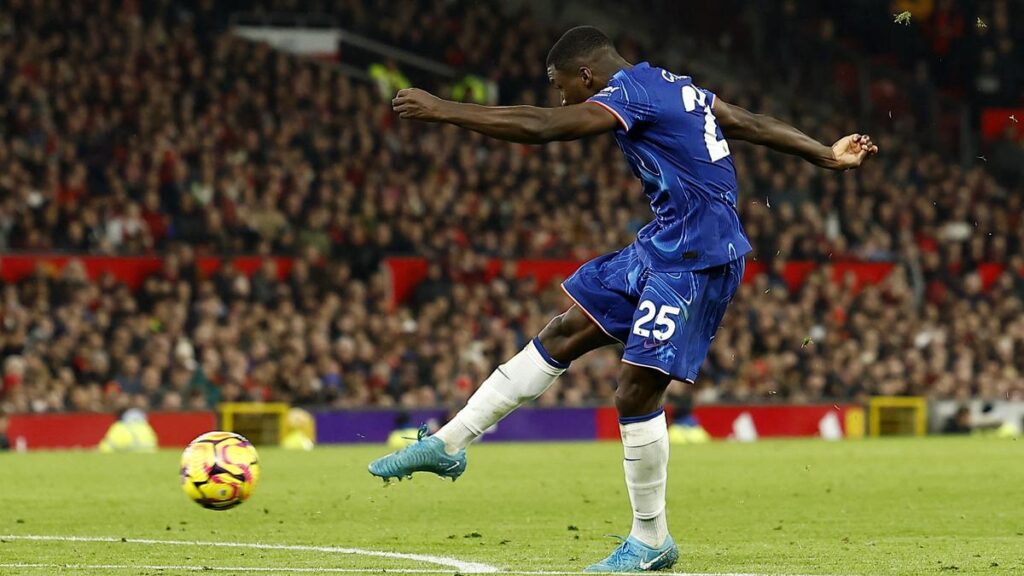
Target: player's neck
point(608, 66)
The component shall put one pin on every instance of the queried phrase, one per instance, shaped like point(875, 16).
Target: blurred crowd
point(125, 133)
point(139, 128)
point(843, 341)
point(321, 337)
point(968, 44)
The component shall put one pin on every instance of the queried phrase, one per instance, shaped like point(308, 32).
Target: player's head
point(579, 63)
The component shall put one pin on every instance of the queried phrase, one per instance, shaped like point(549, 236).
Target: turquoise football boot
point(635, 556)
point(426, 455)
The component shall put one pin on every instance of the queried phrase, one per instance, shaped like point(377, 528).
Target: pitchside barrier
point(265, 424)
point(984, 414)
point(737, 422)
point(79, 430)
point(405, 273)
point(261, 423)
point(897, 416)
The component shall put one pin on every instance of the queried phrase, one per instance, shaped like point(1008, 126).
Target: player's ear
point(586, 76)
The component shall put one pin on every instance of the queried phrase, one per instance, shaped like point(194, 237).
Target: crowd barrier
point(994, 121)
point(406, 272)
point(80, 430)
point(743, 422)
point(528, 424)
point(131, 270)
point(982, 413)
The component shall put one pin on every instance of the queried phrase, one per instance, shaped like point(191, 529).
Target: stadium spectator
point(958, 423)
point(5, 443)
point(130, 433)
point(241, 186)
point(336, 342)
point(194, 141)
point(1007, 159)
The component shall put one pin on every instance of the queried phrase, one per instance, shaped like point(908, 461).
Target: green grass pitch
point(872, 507)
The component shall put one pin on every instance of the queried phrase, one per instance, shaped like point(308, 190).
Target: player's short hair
point(575, 44)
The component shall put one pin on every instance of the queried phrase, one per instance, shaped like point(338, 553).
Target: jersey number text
point(664, 325)
point(692, 98)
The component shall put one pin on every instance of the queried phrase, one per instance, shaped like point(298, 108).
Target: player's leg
point(677, 317)
point(524, 377)
point(529, 373)
point(644, 433)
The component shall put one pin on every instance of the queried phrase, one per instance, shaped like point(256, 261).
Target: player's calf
point(645, 447)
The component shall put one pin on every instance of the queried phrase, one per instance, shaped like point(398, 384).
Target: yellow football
point(219, 470)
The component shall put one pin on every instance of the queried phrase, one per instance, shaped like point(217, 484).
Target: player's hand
point(851, 151)
point(416, 104)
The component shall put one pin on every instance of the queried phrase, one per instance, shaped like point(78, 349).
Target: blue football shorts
point(665, 320)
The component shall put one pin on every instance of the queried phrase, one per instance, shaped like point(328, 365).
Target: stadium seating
point(134, 130)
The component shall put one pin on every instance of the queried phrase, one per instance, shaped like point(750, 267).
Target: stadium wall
point(994, 122)
point(743, 422)
point(176, 429)
point(77, 430)
point(984, 414)
point(406, 272)
point(131, 270)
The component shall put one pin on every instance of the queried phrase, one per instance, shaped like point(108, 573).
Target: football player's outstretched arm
point(848, 152)
point(526, 124)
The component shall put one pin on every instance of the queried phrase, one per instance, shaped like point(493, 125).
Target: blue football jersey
point(672, 141)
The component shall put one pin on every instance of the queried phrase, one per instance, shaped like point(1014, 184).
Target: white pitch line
point(201, 568)
point(460, 566)
point(256, 569)
point(453, 564)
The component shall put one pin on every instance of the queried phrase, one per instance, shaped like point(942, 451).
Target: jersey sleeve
point(709, 94)
point(629, 101)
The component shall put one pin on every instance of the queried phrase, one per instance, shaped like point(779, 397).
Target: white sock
point(645, 445)
point(524, 377)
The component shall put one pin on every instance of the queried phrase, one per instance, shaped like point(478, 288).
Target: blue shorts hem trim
point(658, 368)
point(589, 315)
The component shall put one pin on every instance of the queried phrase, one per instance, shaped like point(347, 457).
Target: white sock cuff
point(648, 515)
point(535, 351)
point(637, 434)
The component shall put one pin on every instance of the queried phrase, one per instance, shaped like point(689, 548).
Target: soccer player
point(663, 296)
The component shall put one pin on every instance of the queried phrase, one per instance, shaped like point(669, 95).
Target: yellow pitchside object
point(219, 470)
point(897, 416)
point(132, 433)
point(264, 422)
point(402, 437)
point(299, 431)
point(679, 434)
